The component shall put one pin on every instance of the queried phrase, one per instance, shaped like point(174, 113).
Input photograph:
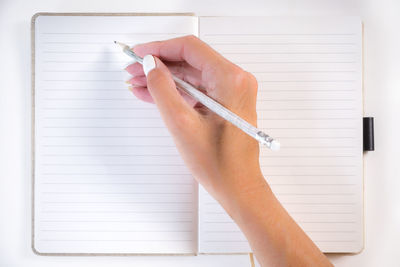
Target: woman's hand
point(220, 156)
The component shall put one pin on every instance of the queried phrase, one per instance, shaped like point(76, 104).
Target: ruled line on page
point(306, 81)
point(114, 240)
point(114, 211)
point(84, 61)
point(277, 34)
point(117, 231)
point(312, 184)
point(80, 52)
point(121, 221)
point(116, 33)
point(294, 62)
point(104, 127)
point(96, 108)
point(83, 70)
point(83, 90)
point(117, 193)
point(303, 71)
point(111, 164)
point(117, 183)
point(81, 80)
point(112, 202)
point(275, 43)
point(286, 53)
point(301, 203)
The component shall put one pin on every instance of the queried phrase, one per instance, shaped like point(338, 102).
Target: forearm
point(274, 237)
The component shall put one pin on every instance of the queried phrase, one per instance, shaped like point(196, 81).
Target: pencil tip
point(121, 44)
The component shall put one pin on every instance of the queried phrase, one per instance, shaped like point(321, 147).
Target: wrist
point(245, 198)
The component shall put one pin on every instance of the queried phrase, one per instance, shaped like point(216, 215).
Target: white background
point(381, 97)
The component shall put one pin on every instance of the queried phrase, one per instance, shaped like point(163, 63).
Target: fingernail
point(148, 63)
point(136, 45)
point(128, 79)
point(130, 88)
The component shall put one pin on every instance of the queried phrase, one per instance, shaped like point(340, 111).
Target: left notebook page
point(107, 176)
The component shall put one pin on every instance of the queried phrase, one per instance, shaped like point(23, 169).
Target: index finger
point(188, 48)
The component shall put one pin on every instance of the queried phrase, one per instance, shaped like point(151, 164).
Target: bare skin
point(221, 157)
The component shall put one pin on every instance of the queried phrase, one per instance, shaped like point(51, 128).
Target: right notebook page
point(309, 72)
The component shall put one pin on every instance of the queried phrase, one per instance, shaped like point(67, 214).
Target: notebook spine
point(368, 134)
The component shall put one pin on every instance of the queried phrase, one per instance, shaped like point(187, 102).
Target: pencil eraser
point(275, 145)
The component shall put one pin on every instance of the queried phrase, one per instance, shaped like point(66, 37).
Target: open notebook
point(107, 177)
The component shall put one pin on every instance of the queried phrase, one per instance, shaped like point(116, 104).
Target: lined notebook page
point(310, 99)
point(108, 178)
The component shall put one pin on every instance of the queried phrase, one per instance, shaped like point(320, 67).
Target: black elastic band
point(368, 134)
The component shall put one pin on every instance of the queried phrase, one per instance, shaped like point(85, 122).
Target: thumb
point(177, 114)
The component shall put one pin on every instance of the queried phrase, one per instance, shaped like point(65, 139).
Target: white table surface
point(381, 96)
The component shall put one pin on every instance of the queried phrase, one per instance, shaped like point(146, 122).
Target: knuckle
point(252, 81)
point(239, 77)
point(191, 38)
point(158, 42)
point(243, 81)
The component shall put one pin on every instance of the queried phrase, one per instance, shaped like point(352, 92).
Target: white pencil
point(214, 106)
